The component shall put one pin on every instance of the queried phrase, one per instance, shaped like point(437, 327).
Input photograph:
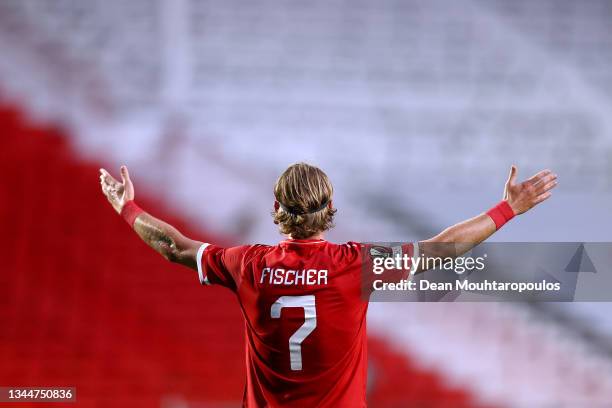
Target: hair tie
point(297, 212)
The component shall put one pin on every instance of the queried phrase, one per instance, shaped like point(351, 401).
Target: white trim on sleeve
point(203, 279)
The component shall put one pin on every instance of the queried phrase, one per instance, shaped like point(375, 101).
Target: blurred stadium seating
point(86, 304)
point(410, 106)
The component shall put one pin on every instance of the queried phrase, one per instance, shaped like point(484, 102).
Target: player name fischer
point(279, 276)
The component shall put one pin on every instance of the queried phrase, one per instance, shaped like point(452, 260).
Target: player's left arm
point(162, 237)
point(518, 198)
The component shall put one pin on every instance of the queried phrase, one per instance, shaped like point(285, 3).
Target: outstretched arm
point(518, 198)
point(162, 237)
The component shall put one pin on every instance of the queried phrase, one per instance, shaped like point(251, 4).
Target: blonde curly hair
point(304, 194)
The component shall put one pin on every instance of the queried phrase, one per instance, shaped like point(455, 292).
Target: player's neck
point(318, 236)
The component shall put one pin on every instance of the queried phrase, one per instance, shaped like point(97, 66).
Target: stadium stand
point(235, 91)
point(85, 303)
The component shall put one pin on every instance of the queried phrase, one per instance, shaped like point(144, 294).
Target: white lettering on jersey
point(280, 276)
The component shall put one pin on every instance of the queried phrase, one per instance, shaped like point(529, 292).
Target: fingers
point(547, 187)
point(127, 183)
point(102, 178)
point(108, 190)
point(545, 179)
point(110, 186)
point(105, 175)
point(104, 181)
point(546, 183)
point(536, 178)
point(512, 176)
point(125, 175)
point(541, 198)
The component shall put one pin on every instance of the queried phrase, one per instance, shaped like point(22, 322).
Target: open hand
point(523, 196)
point(117, 193)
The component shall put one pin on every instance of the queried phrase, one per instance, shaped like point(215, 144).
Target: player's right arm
point(162, 237)
point(518, 198)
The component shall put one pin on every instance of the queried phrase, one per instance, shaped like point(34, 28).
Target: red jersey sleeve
point(220, 266)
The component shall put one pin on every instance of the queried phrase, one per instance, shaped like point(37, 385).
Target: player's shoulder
point(250, 252)
point(344, 252)
point(249, 249)
point(349, 246)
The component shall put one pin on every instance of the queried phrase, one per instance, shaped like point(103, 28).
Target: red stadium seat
point(84, 303)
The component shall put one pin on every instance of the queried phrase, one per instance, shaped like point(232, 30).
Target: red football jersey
point(304, 303)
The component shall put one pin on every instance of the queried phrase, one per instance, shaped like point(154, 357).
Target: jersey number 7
point(310, 322)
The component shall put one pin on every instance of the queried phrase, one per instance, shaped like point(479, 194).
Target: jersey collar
point(303, 241)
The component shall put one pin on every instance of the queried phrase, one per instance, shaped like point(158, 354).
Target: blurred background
point(416, 110)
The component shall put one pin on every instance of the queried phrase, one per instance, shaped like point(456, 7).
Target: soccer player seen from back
point(305, 299)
